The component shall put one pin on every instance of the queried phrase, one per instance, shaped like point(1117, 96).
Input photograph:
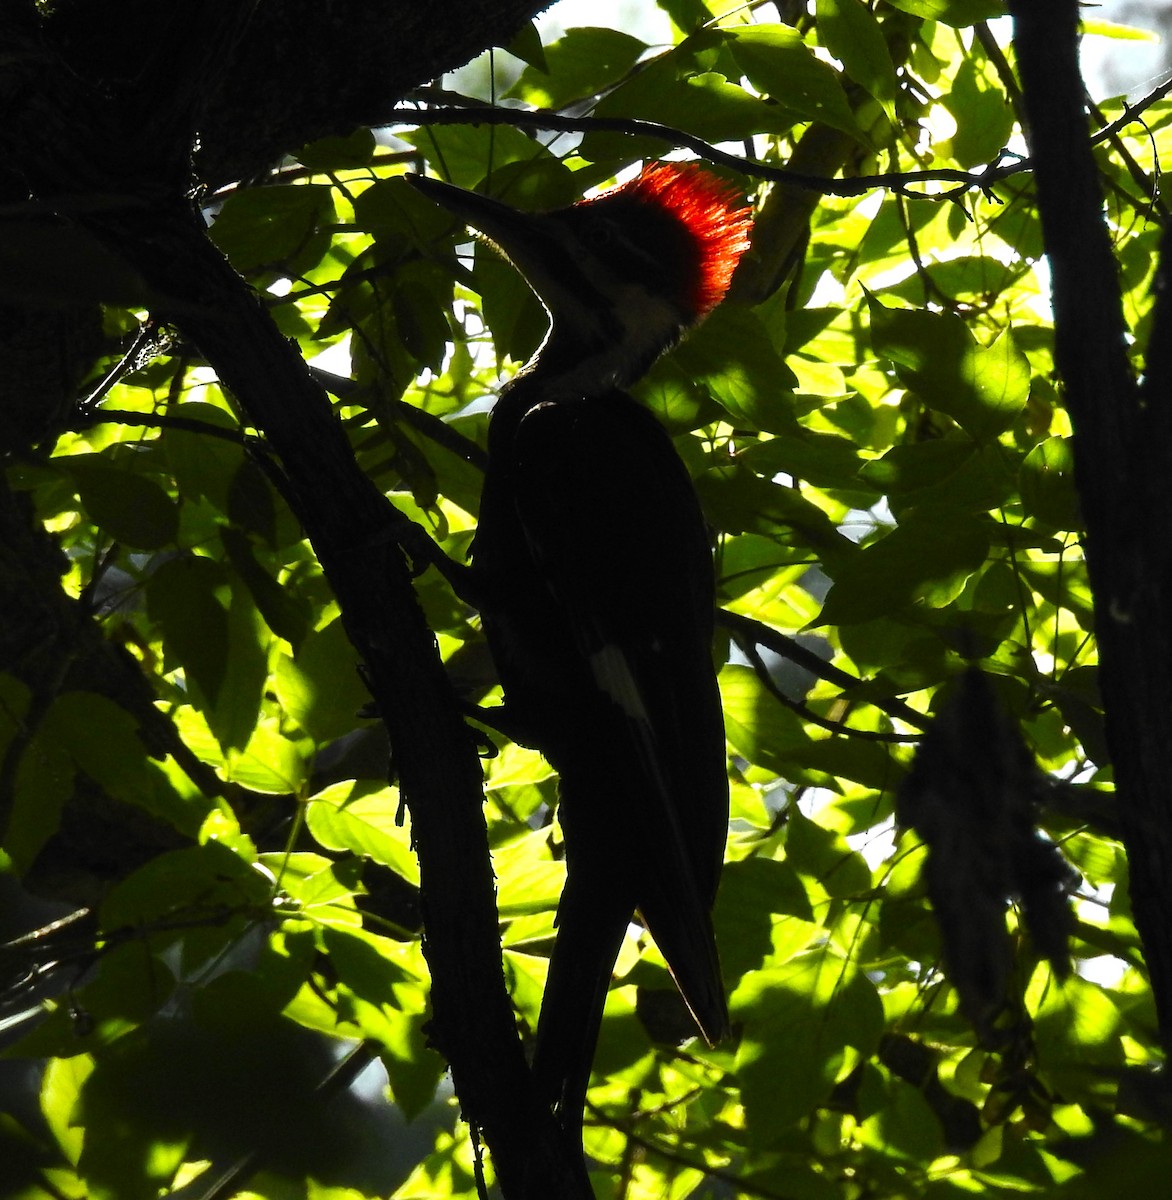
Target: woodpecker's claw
point(502, 720)
point(485, 746)
point(422, 551)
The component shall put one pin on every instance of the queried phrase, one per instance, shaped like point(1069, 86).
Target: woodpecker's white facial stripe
point(613, 675)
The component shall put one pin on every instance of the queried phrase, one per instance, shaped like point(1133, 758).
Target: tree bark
point(1123, 461)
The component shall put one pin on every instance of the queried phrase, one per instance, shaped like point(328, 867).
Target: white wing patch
point(613, 675)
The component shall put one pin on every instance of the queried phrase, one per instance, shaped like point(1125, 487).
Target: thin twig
point(981, 179)
point(780, 643)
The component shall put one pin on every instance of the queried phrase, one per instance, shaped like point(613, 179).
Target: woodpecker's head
point(622, 274)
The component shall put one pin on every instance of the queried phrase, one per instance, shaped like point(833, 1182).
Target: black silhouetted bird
point(592, 566)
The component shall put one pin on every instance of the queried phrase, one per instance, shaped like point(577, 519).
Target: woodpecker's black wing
point(623, 568)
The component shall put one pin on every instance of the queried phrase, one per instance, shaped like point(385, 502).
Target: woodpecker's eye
point(601, 235)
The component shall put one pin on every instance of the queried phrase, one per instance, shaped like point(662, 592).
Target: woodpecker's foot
point(424, 552)
point(485, 746)
point(501, 719)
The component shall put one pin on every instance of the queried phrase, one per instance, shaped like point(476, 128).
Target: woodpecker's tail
point(592, 921)
point(683, 933)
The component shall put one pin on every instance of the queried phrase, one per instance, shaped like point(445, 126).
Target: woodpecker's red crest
point(711, 213)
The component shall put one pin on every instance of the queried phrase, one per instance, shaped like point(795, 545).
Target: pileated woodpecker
point(593, 569)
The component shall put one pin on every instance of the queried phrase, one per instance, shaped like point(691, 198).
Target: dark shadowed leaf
point(1047, 484)
point(778, 64)
point(981, 387)
point(925, 560)
point(131, 508)
point(580, 65)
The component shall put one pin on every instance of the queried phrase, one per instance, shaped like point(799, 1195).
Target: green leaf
point(129, 987)
point(268, 762)
point(755, 722)
point(420, 306)
point(904, 1123)
point(740, 502)
point(186, 598)
point(210, 880)
point(959, 13)
point(234, 715)
point(366, 963)
point(984, 115)
point(132, 509)
point(268, 226)
point(60, 1089)
point(1116, 30)
point(43, 784)
point(465, 155)
point(339, 153)
point(981, 387)
point(680, 90)
point(106, 744)
point(515, 315)
point(389, 1006)
point(1047, 484)
point(15, 697)
point(204, 465)
point(251, 502)
point(527, 881)
point(864, 762)
point(87, 734)
point(526, 45)
point(823, 459)
point(975, 276)
point(849, 30)
point(323, 890)
point(686, 15)
point(756, 895)
point(215, 632)
point(732, 356)
point(924, 562)
point(824, 855)
point(364, 819)
point(935, 476)
point(262, 1097)
point(580, 65)
point(286, 613)
point(798, 1021)
point(906, 470)
point(1076, 1023)
point(776, 62)
point(321, 688)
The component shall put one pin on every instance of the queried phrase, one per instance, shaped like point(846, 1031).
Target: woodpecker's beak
point(526, 239)
point(481, 212)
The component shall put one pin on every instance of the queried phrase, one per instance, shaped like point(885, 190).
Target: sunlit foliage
point(882, 452)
